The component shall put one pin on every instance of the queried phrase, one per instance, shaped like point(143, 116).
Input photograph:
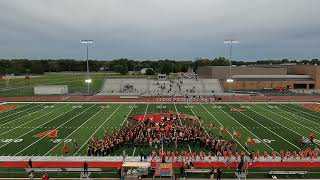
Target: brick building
point(265, 76)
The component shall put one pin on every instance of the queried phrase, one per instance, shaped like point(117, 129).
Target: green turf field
point(75, 82)
point(274, 126)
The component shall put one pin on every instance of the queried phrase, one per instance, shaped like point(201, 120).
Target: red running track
point(63, 164)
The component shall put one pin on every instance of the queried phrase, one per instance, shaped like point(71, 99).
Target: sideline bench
point(42, 170)
point(287, 173)
point(198, 171)
point(81, 170)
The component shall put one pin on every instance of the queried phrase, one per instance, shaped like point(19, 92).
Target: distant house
point(144, 70)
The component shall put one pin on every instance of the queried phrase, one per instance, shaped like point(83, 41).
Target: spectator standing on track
point(85, 167)
point(30, 163)
point(75, 146)
point(219, 173)
point(31, 176)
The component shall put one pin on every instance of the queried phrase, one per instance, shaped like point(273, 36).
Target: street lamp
point(88, 80)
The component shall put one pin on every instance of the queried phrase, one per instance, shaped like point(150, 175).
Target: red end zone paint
point(115, 164)
point(7, 107)
point(49, 133)
point(312, 106)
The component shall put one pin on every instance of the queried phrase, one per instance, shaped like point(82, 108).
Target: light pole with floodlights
point(88, 80)
point(230, 42)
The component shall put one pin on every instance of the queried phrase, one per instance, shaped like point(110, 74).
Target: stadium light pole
point(88, 80)
point(230, 42)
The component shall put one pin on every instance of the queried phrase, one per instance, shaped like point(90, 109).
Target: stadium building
point(265, 76)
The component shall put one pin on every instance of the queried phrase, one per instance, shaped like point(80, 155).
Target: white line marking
point(222, 125)
point(301, 116)
point(54, 129)
point(181, 122)
point(37, 127)
point(246, 128)
point(278, 124)
point(97, 130)
point(74, 131)
point(269, 129)
point(32, 120)
point(32, 107)
point(290, 119)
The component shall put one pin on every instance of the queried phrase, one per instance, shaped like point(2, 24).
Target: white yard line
point(290, 119)
point(301, 116)
point(181, 122)
point(144, 115)
point(269, 129)
point(32, 107)
point(277, 123)
point(97, 130)
point(36, 127)
point(14, 109)
point(54, 129)
point(31, 120)
point(74, 131)
point(246, 128)
point(227, 131)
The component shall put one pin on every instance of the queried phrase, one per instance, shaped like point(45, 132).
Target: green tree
point(149, 72)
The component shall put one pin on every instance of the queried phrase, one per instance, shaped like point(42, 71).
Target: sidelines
point(96, 130)
point(37, 127)
point(74, 130)
point(139, 102)
point(32, 107)
point(246, 128)
point(54, 129)
point(278, 123)
point(15, 109)
point(227, 131)
point(268, 129)
point(32, 120)
point(296, 109)
point(301, 116)
point(144, 115)
point(290, 119)
point(181, 123)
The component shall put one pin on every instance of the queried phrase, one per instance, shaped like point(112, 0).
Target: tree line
point(123, 66)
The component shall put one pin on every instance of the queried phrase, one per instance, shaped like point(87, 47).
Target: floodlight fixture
point(229, 80)
point(88, 81)
point(86, 41)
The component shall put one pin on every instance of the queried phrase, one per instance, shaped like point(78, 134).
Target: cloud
point(152, 29)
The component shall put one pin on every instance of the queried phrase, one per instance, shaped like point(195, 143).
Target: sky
point(160, 29)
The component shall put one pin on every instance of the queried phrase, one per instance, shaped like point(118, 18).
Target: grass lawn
point(75, 82)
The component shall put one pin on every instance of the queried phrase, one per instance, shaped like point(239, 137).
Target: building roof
point(273, 77)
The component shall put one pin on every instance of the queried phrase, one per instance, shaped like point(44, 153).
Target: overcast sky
point(155, 29)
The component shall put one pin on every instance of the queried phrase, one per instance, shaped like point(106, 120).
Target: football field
point(41, 129)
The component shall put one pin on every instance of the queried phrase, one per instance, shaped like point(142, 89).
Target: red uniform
point(294, 154)
point(236, 154)
point(288, 154)
point(65, 149)
point(273, 154)
point(265, 154)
